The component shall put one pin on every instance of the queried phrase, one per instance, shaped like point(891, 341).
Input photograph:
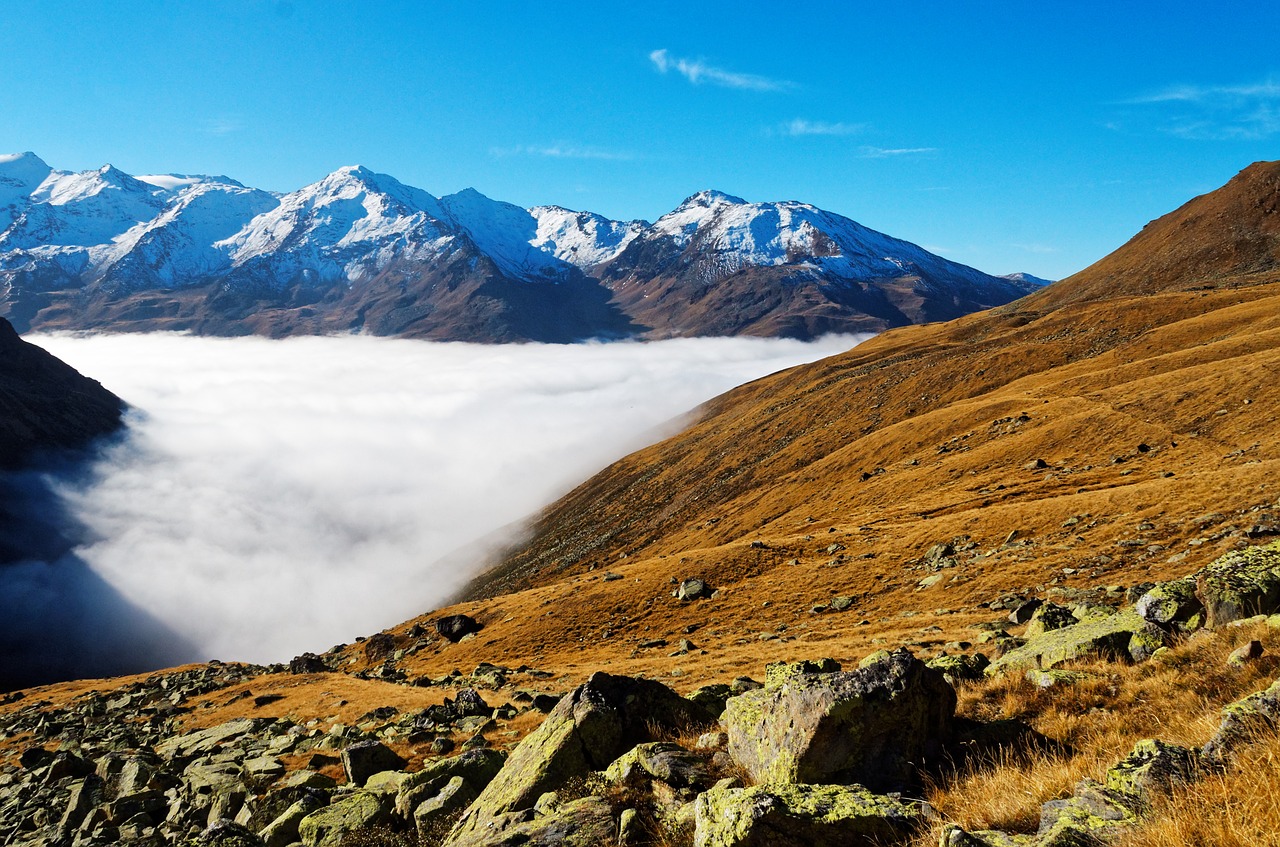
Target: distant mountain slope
point(1139, 394)
point(361, 251)
point(46, 404)
point(718, 265)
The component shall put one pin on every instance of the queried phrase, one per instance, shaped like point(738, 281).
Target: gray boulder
point(366, 758)
point(589, 728)
point(874, 726)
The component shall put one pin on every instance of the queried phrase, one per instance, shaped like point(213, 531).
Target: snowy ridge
point(736, 234)
point(584, 239)
point(125, 233)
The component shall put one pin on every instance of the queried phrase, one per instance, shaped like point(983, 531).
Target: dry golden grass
point(1177, 698)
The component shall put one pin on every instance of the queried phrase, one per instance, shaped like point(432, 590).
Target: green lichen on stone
point(872, 726)
point(1110, 637)
point(328, 826)
point(1241, 720)
point(1151, 769)
point(1093, 815)
point(962, 666)
point(778, 673)
point(1170, 602)
point(1047, 618)
point(792, 815)
point(1240, 584)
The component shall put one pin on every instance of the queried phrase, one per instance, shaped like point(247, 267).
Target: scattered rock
point(366, 758)
point(1245, 653)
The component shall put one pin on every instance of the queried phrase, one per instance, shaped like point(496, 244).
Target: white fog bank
point(275, 497)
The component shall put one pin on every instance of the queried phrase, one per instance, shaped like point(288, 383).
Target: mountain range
point(360, 251)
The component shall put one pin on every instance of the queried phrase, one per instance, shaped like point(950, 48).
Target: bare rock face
point(874, 726)
point(45, 404)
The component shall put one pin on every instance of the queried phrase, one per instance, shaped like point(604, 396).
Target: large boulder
point(327, 827)
point(366, 758)
point(589, 728)
point(1170, 603)
point(875, 726)
point(1241, 584)
point(1126, 635)
point(800, 816)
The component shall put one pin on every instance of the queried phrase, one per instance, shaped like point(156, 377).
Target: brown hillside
point(1126, 438)
point(1232, 231)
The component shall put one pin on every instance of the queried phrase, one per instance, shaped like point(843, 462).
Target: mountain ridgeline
point(359, 251)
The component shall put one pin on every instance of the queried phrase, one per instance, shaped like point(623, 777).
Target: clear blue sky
point(1009, 136)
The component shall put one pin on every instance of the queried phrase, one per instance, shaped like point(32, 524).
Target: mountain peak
point(27, 159)
point(710, 197)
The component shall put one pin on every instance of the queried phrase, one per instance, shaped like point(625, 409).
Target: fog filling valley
point(274, 497)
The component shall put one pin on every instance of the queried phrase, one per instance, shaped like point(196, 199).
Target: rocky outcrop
point(875, 726)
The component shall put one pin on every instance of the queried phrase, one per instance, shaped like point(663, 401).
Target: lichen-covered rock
point(1241, 721)
point(874, 726)
point(1054, 678)
point(328, 826)
point(587, 822)
point(1126, 635)
point(800, 816)
point(588, 729)
point(1048, 617)
point(284, 829)
point(476, 767)
point(660, 760)
point(1241, 584)
point(366, 758)
point(954, 836)
point(203, 741)
point(1153, 768)
point(453, 796)
point(1170, 602)
point(1090, 817)
point(224, 833)
point(960, 667)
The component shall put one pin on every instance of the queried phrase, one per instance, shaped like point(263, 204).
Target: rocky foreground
point(816, 754)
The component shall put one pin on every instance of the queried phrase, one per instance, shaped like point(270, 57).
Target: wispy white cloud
point(801, 127)
point(561, 151)
point(698, 71)
point(1248, 112)
point(1037, 248)
point(221, 126)
point(891, 152)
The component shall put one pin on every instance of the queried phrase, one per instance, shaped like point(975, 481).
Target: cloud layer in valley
point(274, 497)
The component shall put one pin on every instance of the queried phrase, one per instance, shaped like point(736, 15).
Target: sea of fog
point(274, 497)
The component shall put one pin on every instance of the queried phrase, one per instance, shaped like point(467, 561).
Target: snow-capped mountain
point(359, 250)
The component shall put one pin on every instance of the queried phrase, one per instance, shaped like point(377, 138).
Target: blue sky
point(1009, 136)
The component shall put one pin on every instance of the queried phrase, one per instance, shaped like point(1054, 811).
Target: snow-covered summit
point(584, 239)
point(20, 174)
point(739, 234)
